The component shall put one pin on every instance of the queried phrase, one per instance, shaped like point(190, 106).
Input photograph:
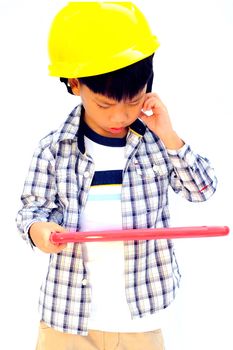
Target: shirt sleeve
point(39, 194)
point(192, 175)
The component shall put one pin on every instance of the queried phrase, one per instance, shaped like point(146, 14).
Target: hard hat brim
point(90, 67)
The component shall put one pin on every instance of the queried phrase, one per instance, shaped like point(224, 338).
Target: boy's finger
point(60, 247)
point(59, 228)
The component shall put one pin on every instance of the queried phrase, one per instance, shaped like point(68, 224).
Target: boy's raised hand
point(40, 234)
point(159, 121)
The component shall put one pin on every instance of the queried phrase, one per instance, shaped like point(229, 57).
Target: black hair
point(121, 84)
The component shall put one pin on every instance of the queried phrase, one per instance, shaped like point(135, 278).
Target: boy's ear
point(75, 86)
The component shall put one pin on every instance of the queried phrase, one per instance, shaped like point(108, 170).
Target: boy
point(107, 295)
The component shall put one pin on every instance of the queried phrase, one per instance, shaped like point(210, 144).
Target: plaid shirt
point(56, 189)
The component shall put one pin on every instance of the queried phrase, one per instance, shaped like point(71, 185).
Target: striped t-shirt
point(105, 260)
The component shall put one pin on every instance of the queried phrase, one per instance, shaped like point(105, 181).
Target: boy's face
point(106, 116)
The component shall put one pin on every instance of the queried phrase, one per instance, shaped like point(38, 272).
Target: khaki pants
point(49, 339)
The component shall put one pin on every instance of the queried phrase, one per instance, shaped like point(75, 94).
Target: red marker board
point(140, 234)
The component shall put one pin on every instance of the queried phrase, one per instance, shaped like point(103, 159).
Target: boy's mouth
point(116, 130)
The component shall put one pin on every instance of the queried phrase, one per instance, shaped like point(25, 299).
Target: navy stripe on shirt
point(107, 177)
point(103, 140)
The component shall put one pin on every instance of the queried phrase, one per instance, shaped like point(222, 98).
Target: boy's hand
point(159, 122)
point(40, 234)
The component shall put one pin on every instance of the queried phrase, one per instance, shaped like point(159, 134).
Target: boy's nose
point(120, 116)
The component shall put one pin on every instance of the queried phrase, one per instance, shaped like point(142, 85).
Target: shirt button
point(86, 174)
point(84, 282)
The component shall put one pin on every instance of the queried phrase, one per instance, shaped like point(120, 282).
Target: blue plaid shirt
point(56, 189)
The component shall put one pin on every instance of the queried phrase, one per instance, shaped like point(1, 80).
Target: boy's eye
point(103, 106)
point(134, 103)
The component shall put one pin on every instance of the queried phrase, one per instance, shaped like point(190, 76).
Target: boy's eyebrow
point(100, 100)
point(137, 98)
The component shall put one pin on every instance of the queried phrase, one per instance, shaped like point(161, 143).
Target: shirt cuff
point(27, 236)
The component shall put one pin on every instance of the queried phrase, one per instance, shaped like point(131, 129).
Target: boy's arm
point(192, 174)
point(40, 214)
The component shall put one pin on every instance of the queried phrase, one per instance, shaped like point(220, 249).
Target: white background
point(194, 77)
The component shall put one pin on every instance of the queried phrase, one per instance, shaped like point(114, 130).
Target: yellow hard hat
point(91, 38)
